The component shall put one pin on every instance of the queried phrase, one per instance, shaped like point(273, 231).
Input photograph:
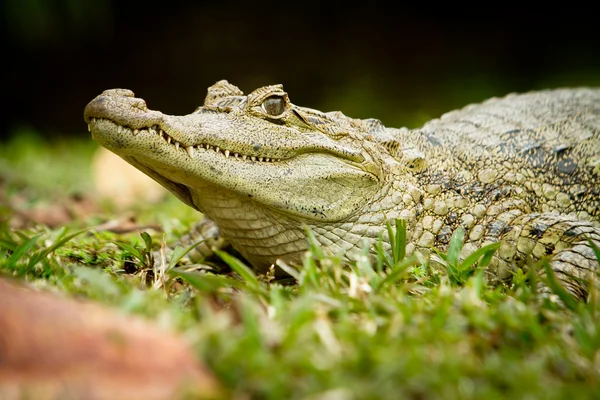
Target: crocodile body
point(523, 170)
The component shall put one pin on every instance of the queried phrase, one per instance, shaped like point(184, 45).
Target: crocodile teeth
point(155, 129)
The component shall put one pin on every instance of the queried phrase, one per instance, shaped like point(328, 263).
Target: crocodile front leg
point(208, 231)
point(562, 239)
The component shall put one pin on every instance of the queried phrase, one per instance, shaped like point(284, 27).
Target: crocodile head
point(259, 166)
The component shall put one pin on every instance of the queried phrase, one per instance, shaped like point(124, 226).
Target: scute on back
point(551, 137)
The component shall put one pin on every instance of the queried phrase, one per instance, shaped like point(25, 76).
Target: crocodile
point(522, 170)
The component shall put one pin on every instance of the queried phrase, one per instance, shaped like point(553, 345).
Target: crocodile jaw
point(305, 175)
point(300, 186)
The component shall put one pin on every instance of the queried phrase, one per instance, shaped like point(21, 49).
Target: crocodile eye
point(274, 106)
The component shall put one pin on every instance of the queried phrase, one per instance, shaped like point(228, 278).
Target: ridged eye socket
point(274, 105)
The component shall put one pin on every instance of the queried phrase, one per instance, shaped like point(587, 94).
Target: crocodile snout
point(119, 105)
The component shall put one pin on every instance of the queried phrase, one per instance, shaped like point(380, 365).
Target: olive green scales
point(523, 170)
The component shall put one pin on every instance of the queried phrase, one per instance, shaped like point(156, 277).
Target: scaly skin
point(523, 169)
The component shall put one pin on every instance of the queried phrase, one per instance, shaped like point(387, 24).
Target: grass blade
point(134, 251)
point(61, 240)
point(400, 242)
point(486, 252)
point(8, 244)
point(456, 242)
point(22, 249)
point(567, 298)
point(180, 252)
point(291, 271)
point(383, 257)
point(147, 240)
point(392, 239)
point(246, 273)
point(596, 249)
point(399, 270)
point(206, 282)
point(314, 244)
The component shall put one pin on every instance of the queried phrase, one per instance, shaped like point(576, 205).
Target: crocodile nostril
point(114, 102)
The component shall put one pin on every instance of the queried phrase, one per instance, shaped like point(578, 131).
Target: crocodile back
point(547, 142)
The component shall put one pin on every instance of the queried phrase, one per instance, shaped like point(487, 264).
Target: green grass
point(393, 328)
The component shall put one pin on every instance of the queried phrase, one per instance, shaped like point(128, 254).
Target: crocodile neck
point(261, 233)
point(257, 232)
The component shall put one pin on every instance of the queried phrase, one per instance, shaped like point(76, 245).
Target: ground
point(396, 329)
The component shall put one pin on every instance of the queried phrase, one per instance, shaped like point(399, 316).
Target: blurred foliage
point(403, 65)
point(340, 331)
point(45, 167)
point(38, 22)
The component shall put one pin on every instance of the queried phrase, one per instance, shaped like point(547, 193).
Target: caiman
point(523, 170)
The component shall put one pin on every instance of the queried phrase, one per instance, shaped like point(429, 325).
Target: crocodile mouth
point(178, 146)
point(267, 171)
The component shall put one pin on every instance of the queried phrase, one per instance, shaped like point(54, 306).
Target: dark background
point(401, 64)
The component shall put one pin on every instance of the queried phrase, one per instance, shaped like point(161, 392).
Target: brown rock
point(58, 348)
